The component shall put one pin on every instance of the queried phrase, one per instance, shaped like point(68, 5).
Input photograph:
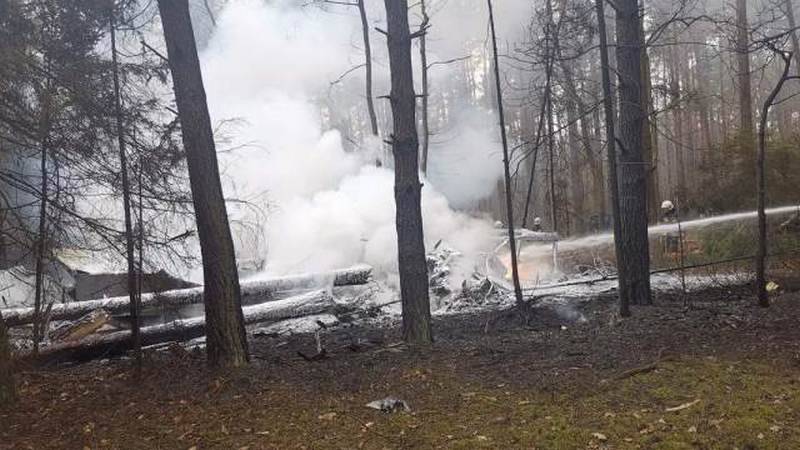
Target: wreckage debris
point(390, 405)
point(253, 291)
point(119, 342)
point(81, 328)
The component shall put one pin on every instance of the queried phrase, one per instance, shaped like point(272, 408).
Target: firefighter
point(537, 225)
point(668, 212)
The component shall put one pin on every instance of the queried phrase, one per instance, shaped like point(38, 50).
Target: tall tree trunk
point(761, 186)
point(41, 237)
point(613, 179)
point(512, 240)
point(423, 59)
point(407, 187)
point(537, 141)
point(576, 144)
point(649, 147)
point(634, 259)
point(724, 115)
point(8, 392)
point(226, 342)
point(743, 71)
point(678, 122)
point(126, 200)
point(373, 118)
point(551, 168)
point(599, 184)
point(789, 10)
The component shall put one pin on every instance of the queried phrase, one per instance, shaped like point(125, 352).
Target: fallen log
point(119, 342)
point(253, 291)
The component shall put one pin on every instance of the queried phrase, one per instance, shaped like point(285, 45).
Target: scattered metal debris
point(390, 405)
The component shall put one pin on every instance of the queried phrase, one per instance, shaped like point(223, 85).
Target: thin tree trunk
point(41, 243)
point(761, 187)
point(373, 118)
point(743, 69)
point(634, 260)
point(613, 180)
point(789, 10)
point(512, 241)
point(550, 128)
point(575, 142)
point(226, 342)
point(535, 157)
point(8, 392)
point(423, 58)
point(677, 120)
point(126, 200)
point(407, 189)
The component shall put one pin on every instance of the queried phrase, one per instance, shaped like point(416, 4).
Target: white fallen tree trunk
point(115, 343)
point(252, 291)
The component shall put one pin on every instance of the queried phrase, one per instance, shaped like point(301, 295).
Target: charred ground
point(489, 382)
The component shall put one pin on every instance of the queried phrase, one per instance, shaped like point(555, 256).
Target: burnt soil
point(730, 368)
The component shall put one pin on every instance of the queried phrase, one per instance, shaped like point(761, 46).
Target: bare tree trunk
point(634, 259)
point(535, 156)
point(512, 241)
point(8, 392)
point(649, 149)
point(407, 187)
point(575, 142)
point(613, 179)
point(423, 58)
point(550, 128)
point(126, 199)
point(41, 242)
point(761, 184)
point(599, 183)
point(677, 120)
point(373, 118)
point(743, 75)
point(789, 10)
point(724, 117)
point(226, 341)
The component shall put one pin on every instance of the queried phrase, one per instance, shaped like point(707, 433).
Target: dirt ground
point(722, 373)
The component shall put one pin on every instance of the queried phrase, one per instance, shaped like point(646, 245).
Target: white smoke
point(265, 65)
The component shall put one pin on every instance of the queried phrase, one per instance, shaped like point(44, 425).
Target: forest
point(399, 224)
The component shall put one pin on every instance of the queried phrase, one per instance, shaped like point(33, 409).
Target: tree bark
point(634, 259)
point(41, 238)
point(423, 58)
point(373, 118)
point(226, 339)
point(8, 392)
point(789, 10)
point(761, 186)
point(743, 69)
point(551, 148)
point(126, 200)
point(407, 187)
point(613, 179)
point(650, 148)
point(512, 240)
point(678, 122)
point(578, 145)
